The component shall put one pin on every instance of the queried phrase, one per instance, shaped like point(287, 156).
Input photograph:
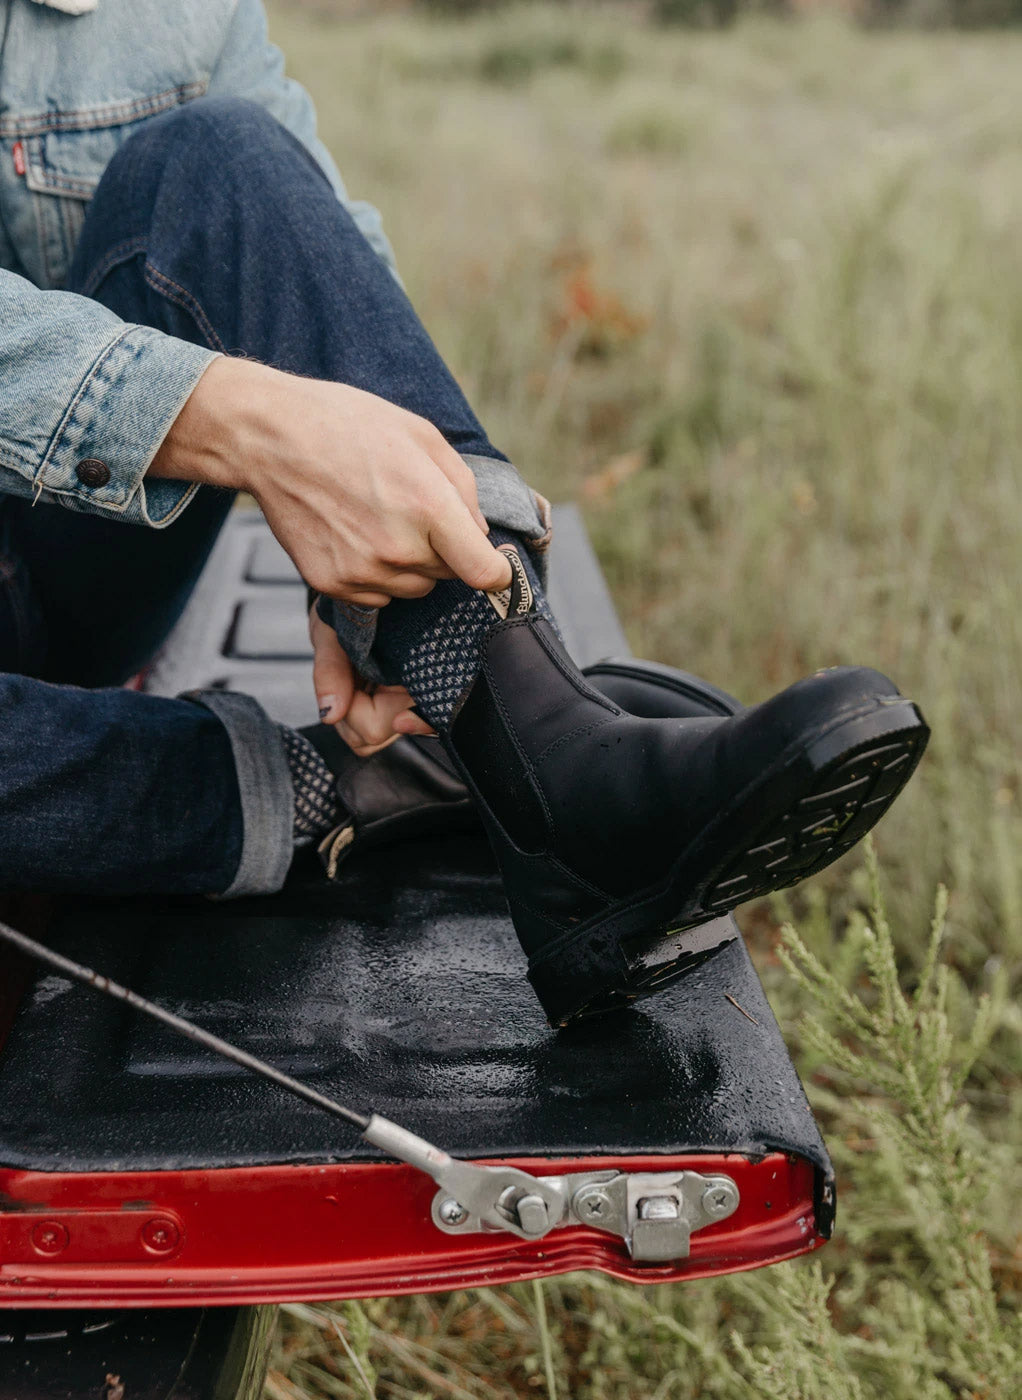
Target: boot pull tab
point(516, 600)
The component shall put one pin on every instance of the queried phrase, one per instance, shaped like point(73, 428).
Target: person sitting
point(191, 306)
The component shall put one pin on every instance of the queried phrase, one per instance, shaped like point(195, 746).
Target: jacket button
point(92, 472)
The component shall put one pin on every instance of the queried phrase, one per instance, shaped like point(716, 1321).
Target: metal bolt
point(452, 1212)
point(592, 1203)
point(49, 1237)
point(160, 1235)
point(658, 1208)
point(719, 1199)
point(532, 1215)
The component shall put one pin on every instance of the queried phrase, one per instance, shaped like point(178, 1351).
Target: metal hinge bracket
point(655, 1213)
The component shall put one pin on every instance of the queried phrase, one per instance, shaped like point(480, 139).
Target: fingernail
point(326, 704)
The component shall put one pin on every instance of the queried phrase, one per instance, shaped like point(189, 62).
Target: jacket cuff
point(112, 428)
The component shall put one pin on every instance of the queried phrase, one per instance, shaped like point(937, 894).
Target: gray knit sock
point(431, 645)
point(317, 806)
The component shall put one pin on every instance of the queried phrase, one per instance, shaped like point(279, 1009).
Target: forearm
point(368, 499)
point(218, 437)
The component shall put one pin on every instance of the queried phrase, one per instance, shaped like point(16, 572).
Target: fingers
point(366, 722)
point(363, 597)
point(374, 721)
point(361, 747)
point(332, 674)
point(408, 722)
point(410, 585)
point(458, 541)
point(461, 478)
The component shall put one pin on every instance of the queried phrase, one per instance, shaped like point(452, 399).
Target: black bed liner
point(399, 990)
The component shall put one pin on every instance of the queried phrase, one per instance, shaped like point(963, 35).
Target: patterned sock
point(317, 806)
point(431, 645)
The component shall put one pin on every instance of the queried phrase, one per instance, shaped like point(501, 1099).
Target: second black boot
point(613, 831)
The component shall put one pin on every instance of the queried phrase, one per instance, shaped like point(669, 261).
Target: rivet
point(49, 1237)
point(92, 472)
point(160, 1235)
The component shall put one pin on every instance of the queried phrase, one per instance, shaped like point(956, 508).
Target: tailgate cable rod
point(654, 1212)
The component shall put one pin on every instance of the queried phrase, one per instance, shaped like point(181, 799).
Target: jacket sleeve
point(83, 387)
point(253, 68)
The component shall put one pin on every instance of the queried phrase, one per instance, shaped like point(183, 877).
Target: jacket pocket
point(65, 155)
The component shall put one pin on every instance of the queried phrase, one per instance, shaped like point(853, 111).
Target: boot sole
point(810, 807)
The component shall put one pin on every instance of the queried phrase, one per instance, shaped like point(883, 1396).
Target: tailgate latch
point(654, 1213)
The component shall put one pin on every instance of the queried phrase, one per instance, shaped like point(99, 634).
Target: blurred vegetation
point(755, 300)
point(704, 14)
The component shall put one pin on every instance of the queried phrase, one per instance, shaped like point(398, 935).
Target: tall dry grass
point(755, 300)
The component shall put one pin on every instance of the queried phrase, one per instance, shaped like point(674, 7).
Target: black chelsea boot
point(614, 832)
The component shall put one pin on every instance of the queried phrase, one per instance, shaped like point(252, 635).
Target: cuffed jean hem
point(264, 783)
point(506, 501)
point(510, 504)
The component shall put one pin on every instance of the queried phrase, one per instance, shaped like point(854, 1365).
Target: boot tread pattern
point(847, 799)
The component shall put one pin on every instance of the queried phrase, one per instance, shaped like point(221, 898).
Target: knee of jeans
point(213, 143)
point(225, 130)
point(214, 134)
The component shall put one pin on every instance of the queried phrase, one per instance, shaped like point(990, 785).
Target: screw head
point(452, 1212)
point(160, 1235)
point(719, 1199)
point(49, 1237)
point(592, 1203)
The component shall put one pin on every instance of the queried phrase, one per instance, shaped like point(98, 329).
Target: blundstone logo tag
point(516, 599)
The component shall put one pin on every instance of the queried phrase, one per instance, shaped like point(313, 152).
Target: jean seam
point(24, 466)
point(106, 115)
point(120, 253)
point(72, 408)
point(38, 213)
point(46, 180)
point(186, 301)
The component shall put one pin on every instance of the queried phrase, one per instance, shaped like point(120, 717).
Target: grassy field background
point(754, 299)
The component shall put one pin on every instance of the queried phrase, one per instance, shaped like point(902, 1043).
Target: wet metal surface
point(401, 990)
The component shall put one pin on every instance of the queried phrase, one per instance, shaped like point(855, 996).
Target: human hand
point(367, 720)
point(368, 499)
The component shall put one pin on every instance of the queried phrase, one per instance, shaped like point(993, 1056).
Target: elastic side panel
point(485, 747)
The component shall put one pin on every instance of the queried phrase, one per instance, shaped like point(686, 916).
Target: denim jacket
point(75, 82)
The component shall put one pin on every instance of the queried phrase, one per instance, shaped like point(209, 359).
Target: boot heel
point(591, 973)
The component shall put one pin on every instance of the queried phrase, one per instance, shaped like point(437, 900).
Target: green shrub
point(698, 13)
point(649, 131)
point(512, 60)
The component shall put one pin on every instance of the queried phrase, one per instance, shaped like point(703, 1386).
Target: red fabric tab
point(19, 158)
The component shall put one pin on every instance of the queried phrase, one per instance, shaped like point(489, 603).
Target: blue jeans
point(214, 224)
